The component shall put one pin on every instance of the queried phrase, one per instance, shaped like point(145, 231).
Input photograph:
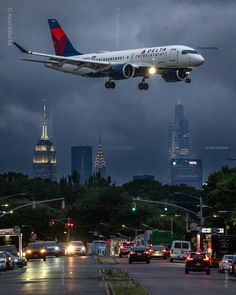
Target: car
point(18, 261)
point(158, 251)
point(3, 261)
point(125, 248)
point(76, 247)
point(35, 251)
point(226, 263)
point(198, 261)
point(52, 248)
point(9, 248)
point(139, 253)
point(232, 268)
point(62, 248)
point(179, 250)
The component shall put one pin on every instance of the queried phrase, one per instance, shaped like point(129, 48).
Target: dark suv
point(197, 261)
point(35, 250)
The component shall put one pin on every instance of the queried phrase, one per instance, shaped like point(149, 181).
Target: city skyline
point(133, 123)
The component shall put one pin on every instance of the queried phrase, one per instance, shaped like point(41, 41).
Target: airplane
point(174, 63)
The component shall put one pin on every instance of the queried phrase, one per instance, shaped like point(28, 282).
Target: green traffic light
point(166, 209)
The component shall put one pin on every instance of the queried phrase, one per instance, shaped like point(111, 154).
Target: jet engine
point(174, 75)
point(121, 71)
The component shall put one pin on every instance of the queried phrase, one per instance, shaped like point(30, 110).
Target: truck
point(158, 237)
point(220, 246)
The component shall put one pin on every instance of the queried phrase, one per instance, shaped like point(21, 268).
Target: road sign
point(7, 231)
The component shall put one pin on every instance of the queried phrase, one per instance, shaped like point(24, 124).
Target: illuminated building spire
point(100, 163)
point(44, 135)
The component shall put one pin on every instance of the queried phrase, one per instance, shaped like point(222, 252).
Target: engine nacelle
point(121, 71)
point(174, 75)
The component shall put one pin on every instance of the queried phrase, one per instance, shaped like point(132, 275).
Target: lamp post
point(134, 229)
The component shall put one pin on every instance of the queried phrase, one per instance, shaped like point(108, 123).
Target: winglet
point(22, 49)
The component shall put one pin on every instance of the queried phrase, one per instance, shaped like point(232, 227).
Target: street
point(64, 275)
point(163, 277)
point(80, 275)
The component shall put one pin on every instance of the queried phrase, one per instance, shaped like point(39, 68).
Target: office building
point(186, 171)
point(44, 157)
point(81, 162)
point(178, 135)
point(100, 163)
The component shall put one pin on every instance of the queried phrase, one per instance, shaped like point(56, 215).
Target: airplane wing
point(55, 59)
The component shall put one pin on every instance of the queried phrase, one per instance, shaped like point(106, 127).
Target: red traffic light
point(69, 223)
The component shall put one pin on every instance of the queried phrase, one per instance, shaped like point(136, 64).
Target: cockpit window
point(189, 51)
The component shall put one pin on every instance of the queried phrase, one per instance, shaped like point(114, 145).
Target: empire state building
point(44, 158)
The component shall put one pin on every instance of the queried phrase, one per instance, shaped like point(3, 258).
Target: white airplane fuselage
point(165, 57)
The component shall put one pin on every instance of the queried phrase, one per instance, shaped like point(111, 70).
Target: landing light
point(152, 71)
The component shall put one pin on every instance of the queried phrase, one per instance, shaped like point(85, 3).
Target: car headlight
point(15, 260)
point(83, 248)
point(56, 248)
point(70, 249)
point(42, 251)
point(29, 251)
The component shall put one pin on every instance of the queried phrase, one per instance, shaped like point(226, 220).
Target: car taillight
point(206, 258)
point(151, 250)
point(121, 247)
point(189, 258)
point(146, 252)
point(132, 252)
point(163, 251)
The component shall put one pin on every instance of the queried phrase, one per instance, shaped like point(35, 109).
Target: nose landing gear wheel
point(110, 84)
point(143, 86)
point(187, 80)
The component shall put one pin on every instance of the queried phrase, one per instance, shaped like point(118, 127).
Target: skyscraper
point(100, 163)
point(44, 157)
point(178, 135)
point(81, 162)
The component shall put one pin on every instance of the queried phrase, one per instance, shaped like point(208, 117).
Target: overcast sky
point(133, 123)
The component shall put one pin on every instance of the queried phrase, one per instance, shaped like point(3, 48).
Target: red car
point(198, 261)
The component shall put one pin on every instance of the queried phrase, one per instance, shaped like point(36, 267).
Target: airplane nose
point(197, 60)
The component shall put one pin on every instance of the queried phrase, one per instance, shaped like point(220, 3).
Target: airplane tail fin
point(61, 43)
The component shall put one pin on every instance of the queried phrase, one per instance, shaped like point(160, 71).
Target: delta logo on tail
point(173, 62)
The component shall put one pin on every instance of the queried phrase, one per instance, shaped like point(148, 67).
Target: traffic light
point(166, 209)
point(69, 223)
point(52, 222)
point(133, 207)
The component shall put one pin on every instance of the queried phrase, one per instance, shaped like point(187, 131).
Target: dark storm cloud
point(133, 123)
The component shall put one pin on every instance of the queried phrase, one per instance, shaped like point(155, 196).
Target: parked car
point(232, 269)
point(139, 253)
point(198, 261)
point(179, 250)
point(18, 261)
point(125, 248)
point(9, 248)
point(52, 248)
point(158, 251)
point(34, 251)
point(3, 261)
point(226, 263)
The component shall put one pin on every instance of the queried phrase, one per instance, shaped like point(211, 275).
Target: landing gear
point(143, 85)
point(187, 80)
point(110, 84)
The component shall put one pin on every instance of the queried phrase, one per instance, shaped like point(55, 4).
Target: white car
point(226, 263)
point(3, 261)
point(77, 247)
point(179, 250)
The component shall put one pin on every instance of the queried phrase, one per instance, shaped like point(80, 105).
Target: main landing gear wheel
point(143, 86)
point(187, 80)
point(110, 84)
